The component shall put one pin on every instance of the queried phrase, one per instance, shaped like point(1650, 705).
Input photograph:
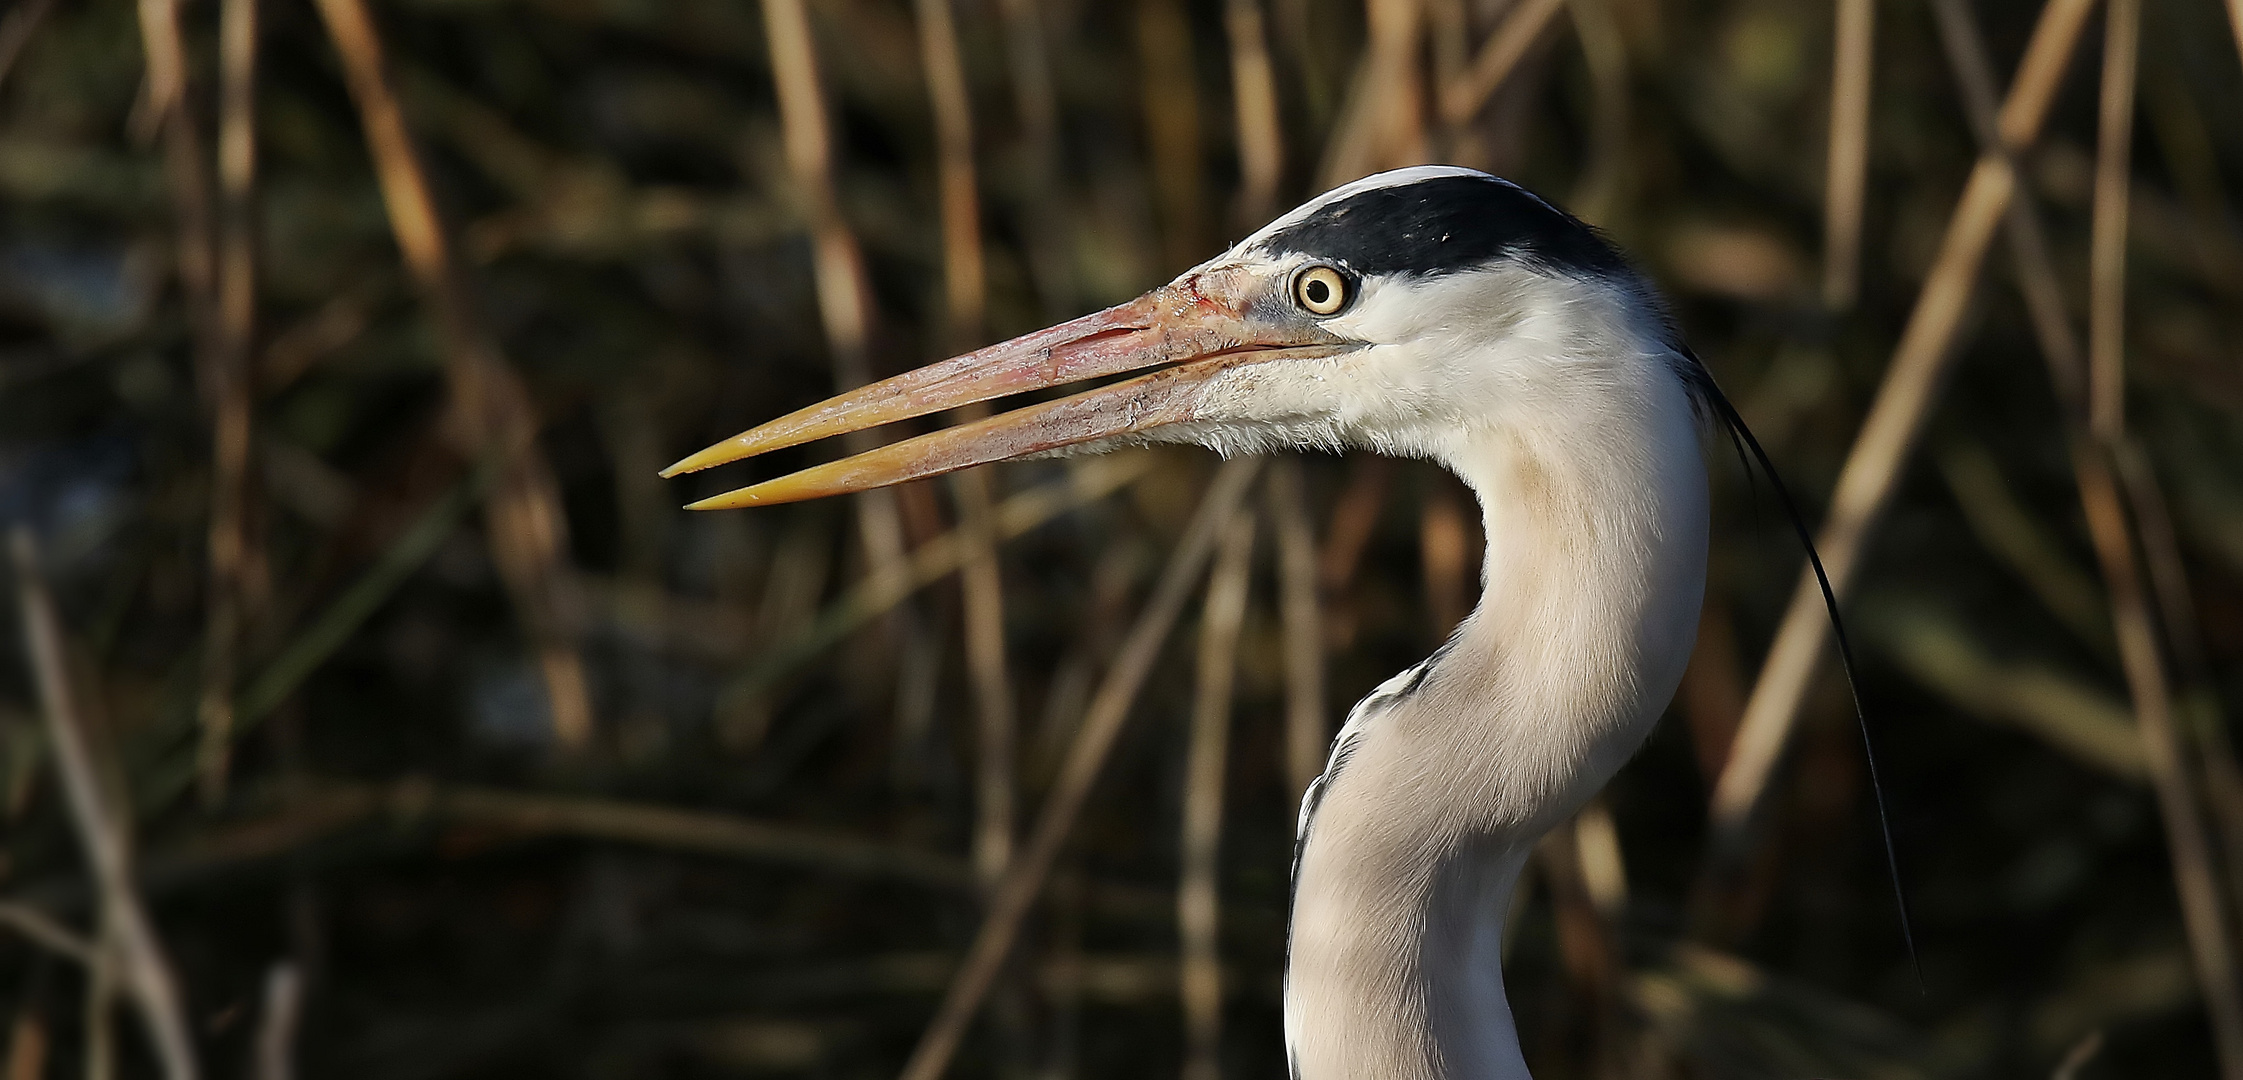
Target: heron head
point(1392, 313)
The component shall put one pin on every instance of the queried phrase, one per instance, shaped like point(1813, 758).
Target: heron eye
point(1321, 290)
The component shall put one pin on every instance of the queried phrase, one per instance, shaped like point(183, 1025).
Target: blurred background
point(371, 709)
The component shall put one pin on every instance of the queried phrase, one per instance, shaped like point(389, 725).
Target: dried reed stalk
point(847, 311)
point(2005, 527)
point(667, 827)
point(294, 350)
point(965, 282)
point(16, 29)
point(845, 300)
point(1602, 880)
point(1261, 136)
point(1086, 758)
point(219, 356)
point(165, 111)
point(1846, 171)
point(2106, 263)
point(1448, 33)
point(2078, 1056)
point(39, 928)
point(491, 408)
point(929, 562)
point(128, 943)
point(2070, 714)
point(232, 387)
point(979, 580)
point(2198, 702)
point(1036, 109)
point(1444, 542)
point(166, 85)
point(2211, 948)
point(1198, 897)
point(322, 808)
point(1463, 98)
point(2036, 271)
point(1355, 517)
point(1307, 732)
point(100, 1035)
point(1261, 166)
point(1587, 950)
point(2235, 24)
point(1604, 872)
point(27, 1045)
point(2090, 390)
point(1712, 694)
point(1168, 85)
point(1383, 123)
point(1065, 962)
point(1888, 433)
point(981, 583)
point(1602, 188)
point(317, 638)
point(980, 577)
point(275, 1047)
point(2060, 346)
point(2203, 914)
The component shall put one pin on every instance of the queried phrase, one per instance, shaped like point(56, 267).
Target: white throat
point(1594, 496)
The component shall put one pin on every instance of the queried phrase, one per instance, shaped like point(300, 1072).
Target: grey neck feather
point(1443, 781)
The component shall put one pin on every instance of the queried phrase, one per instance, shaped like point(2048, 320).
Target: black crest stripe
point(1445, 224)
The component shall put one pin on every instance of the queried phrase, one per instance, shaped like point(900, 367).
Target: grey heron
point(1430, 312)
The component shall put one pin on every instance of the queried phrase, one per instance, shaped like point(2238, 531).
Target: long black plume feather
point(1734, 425)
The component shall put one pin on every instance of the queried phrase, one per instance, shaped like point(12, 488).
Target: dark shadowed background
point(370, 709)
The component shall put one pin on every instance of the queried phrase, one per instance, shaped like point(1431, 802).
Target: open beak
point(1190, 335)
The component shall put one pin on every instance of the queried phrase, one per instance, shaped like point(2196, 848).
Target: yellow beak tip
point(691, 463)
point(723, 453)
point(741, 498)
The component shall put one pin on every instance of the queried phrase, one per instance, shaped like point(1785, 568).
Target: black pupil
point(1318, 292)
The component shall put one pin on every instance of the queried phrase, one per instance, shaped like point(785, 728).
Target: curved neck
point(1445, 778)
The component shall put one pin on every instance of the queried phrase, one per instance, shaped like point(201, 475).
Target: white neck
point(1594, 496)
